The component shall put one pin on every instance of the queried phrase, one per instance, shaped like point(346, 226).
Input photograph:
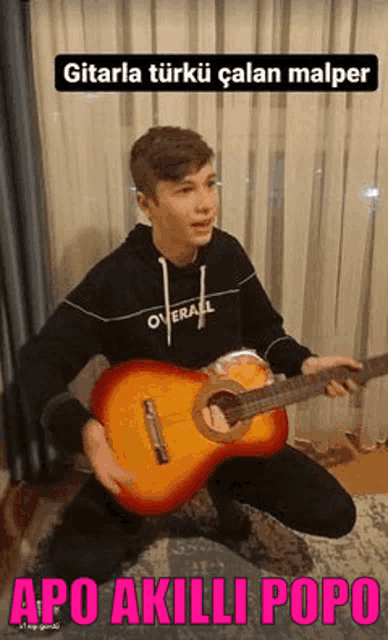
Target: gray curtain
point(24, 285)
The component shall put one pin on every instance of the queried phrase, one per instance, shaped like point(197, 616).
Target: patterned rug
point(190, 544)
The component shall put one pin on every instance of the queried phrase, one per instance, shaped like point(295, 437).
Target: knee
point(343, 517)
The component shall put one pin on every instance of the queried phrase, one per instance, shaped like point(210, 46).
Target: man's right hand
point(101, 458)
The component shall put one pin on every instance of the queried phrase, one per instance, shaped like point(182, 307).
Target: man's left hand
point(334, 389)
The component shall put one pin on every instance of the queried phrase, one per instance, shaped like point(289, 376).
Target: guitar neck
point(299, 388)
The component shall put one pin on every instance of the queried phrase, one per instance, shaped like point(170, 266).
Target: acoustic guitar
point(159, 426)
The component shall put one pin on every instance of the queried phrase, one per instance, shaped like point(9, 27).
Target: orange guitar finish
point(192, 446)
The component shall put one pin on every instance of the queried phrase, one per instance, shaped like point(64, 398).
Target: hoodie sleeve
point(53, 358)
point(263, 326)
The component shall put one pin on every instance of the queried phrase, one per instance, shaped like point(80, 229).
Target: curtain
point(24, 286)
point(292, 167)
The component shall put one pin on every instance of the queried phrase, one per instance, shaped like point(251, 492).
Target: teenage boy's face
point(184, 212)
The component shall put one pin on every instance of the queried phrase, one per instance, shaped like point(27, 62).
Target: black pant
point(290, 486)
point(297, 491)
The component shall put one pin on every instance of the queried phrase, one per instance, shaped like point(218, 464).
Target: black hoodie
point(135, 304)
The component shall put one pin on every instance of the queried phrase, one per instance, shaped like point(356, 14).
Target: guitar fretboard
point(298, 388)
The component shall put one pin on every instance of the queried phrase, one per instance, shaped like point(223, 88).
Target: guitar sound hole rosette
point(203, 400)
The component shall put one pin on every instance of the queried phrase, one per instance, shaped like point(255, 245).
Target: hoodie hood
point(140, 241)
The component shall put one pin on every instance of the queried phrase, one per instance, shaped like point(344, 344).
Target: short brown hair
point(167, 153)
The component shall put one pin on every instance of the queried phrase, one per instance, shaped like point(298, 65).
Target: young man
point(184, 292)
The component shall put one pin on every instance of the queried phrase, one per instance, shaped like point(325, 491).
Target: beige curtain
point(292, 167)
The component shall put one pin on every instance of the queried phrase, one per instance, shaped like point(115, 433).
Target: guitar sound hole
point(214, 413)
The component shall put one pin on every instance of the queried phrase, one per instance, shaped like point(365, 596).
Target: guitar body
point(155, 424)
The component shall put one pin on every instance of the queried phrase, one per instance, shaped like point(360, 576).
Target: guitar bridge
point(155, 433)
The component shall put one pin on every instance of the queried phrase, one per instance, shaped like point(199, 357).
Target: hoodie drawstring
point(201, 318)
point(202, 298)
point(166, 299)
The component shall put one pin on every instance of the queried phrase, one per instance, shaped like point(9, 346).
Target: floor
point(172, 548)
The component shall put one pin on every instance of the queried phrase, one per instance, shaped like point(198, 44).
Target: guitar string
point(250, 403)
